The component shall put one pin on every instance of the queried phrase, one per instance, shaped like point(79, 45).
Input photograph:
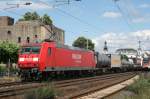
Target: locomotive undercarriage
point(35, 75)
point(30, 74)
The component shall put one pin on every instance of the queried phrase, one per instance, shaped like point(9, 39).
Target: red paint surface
point(59, 57)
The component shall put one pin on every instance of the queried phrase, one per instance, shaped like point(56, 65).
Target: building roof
point(127, 51)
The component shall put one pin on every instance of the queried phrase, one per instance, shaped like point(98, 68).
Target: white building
point(129, 52)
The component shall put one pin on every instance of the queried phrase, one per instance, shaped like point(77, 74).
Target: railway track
point(70, 89)
point(17, 88)
point(7, 84)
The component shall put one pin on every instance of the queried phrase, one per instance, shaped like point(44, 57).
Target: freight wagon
point(47, 59)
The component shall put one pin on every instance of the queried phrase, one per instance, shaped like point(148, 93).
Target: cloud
point(144, 5)
point(123, 40)
point(132, 13)
point(139, 20)
point(111, 14)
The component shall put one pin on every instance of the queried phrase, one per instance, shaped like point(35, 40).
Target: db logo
point(76, 56)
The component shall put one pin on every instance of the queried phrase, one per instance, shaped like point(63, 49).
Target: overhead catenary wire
point(70, 15)
point(12, 12)
point(123, 15)
point(74, 17)
point(128, 19)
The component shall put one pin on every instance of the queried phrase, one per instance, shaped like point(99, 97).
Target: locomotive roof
point(31, 44)
point(58, 45)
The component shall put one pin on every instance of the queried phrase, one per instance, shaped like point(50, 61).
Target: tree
point(82, 42)
point(46, 19)
point(35, 16)
point(30, 16)
point(8, 51)
point(125, 57)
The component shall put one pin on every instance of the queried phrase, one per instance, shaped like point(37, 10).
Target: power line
point(127, 21)
point(74, 17)
point(50, 31)
point(123, 14)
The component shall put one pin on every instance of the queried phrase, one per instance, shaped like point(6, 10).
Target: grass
point(140, 89)
point(47, 92)
point(3, 68)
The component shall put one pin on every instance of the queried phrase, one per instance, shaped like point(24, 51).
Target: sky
point(122, 23)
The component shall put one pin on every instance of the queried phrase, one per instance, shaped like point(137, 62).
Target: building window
point(28, 39)
point(8, 32)
point(19, 39)
point(35, 36)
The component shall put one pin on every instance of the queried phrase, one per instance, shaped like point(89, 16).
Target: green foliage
point(30, 16)
point(46, 19)
point(141, 89)
point(81, 42)
point(8, 51)
point(124, 57)
point(139, 86)
point(12, 69)
point(35, 16)
point(41, 93)
point(3, 69)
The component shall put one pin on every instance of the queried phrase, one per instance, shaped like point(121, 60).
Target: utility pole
point(87, 43)
point(139, 44)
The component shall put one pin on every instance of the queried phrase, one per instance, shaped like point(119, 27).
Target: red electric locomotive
point(41, 60)
point(146, 63)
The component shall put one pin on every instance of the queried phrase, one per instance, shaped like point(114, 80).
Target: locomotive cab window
point(28, 50)
point(35, 50)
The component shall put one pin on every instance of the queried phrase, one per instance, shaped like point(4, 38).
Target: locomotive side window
point(49, 51)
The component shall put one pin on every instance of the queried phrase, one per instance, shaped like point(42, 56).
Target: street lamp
point(87, 41)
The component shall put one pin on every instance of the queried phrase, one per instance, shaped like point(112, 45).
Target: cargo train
point(43, 60)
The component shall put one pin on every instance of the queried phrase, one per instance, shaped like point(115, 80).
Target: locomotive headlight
point(35, 59)
point(21, 59)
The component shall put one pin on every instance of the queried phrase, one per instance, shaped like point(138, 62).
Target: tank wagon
point(103, 60)
point(47, 59)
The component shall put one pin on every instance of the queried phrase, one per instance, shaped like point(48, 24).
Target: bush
point(41, 93)
point(139, 86)
point(8, 51)
point(141, 89)
point(3, 69)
